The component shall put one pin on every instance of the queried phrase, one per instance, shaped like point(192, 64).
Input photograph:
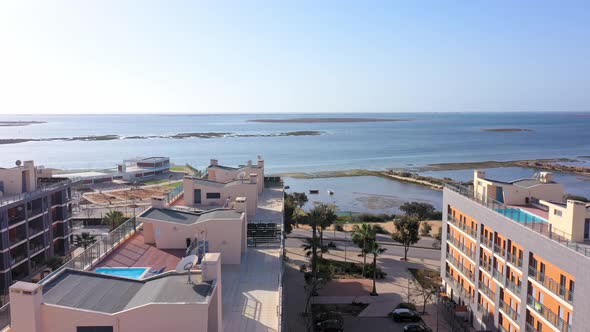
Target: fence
point(173, 195)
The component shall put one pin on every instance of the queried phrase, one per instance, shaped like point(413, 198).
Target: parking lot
point(365, 324)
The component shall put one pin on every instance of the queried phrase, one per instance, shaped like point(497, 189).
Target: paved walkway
point(270, 206)
point(251, 292)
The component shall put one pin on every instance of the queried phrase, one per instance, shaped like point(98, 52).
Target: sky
point(112, 56)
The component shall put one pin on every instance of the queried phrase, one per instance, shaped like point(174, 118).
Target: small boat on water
point(314, 191)
point(330, 192)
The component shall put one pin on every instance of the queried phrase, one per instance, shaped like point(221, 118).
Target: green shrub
point(425, 229)
point(379, 229)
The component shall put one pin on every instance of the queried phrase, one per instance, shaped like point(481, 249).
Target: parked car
point(416, 328)
point(405, 315)
point(406, 305)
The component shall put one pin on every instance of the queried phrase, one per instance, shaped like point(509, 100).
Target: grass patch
point(179, 169)
point(426, 278)
point(349, 270)
point(150, 182)
point(346, 310)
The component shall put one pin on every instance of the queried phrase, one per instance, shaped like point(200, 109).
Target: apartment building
point(34, 221)
point(517, 254)
point(130, 170)
point(224, 174)
point(207, 194)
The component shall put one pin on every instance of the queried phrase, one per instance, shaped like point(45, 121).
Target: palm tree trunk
point(364, 253)
point(321, 243)
point(314, 253)
point(374, 292)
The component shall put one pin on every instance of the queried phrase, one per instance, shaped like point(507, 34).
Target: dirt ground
point(125, 195)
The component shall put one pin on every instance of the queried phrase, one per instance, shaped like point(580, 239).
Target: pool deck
point(532, 210)
point(135, 253)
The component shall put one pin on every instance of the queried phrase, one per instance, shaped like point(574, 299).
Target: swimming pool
point(127, 272)
point(520, 215)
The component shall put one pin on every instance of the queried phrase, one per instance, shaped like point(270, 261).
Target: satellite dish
point(18, 163)
point(186, 264)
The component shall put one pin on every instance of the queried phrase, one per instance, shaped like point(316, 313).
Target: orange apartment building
point(517, 255)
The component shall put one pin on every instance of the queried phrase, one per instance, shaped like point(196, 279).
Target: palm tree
point(326, 218)
point(362, 236)
point(376, 250)
point(113, 218)
point(308, 246)
point(84, 240)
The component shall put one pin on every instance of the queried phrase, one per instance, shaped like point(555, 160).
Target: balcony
point(498, 275)
point(530, 328)
point(487, 291)
point(512, 258)
point(541, 228)
point(462, 226)
point(458, 287)
point(508, 310)
point(460, 267)
point(549, 315)
point(464, 249)
point(486, 316)
point(499, 250)
point(513, 287)
point(16, 215)
point(485, 265)
point(487, 242)
point(551, 285)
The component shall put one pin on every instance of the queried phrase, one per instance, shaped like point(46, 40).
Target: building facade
point(34, 221)
point(515, 254)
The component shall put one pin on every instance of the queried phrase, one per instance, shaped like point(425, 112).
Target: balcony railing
point(461, 267)
point(514, 287)
point(486, 316)
point(499, 250)
point(530, 328)
point(509, 310)
point(40, 189)
point(458, 287)
point(487, 291)
point(551, 285)
point(498, 275)
point(463, 248)
point(512, 258)
point(549, 315)
point(542, 228)
point(463, 226)
point(487, 242)
point(486, 266)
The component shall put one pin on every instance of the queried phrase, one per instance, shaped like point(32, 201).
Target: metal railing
point(458, 287)
point(507, 308)
point(173, 194)
point(487, 291)
point(487, 242)
point(529, 328)
point(462, 226)
point(467, 272)
point(512, 258)
point(551, 285)
point(513, 215)
point(486, 265)
point(549, 315)
point(499, 250)
point(462, 248)
point(498, 275)
point(40, 189)
point(512, 286)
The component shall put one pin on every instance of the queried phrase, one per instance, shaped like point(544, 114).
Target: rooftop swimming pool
point(520, 215)
point(127, 272)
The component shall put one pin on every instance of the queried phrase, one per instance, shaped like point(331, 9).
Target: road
point(423, 249)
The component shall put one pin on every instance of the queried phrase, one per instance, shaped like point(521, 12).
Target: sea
point(424, 138)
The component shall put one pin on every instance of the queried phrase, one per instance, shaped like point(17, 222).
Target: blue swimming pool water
point(520, 215)
point(127, 272)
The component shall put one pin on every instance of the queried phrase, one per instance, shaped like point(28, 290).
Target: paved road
point(296, 239)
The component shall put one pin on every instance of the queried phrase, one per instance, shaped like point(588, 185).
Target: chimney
point(479, 174)
point(158, 203)
point(546, 177)
point(260, 163)
point(211, 267)
point(249, 162)
point(240, 204)
point(25, 306)
point(253, 178)
point(214, 162)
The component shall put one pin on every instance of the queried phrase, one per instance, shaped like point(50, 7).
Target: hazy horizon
point(232, 57)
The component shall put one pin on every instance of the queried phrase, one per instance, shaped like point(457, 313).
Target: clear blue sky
point(300, 56)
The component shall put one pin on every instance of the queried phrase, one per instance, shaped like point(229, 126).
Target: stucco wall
point(224, 236)
point(149, 318)
point(248, 190)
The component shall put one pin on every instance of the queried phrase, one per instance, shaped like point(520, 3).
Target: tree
point(300, 199)
point(362, 236)
point(425, 229)
point(289, 212)
point(84, 240)
point(326, 218)
point(114, 218)
point(308, 246)
point(418, 210)
point(406, 233)
point(376, 250)
point(426, 294)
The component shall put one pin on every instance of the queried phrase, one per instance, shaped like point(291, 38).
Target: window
point(213, 195)
point(557, 212)
point(94, 329)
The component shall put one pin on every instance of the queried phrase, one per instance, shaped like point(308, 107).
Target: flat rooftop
point(188, 218)
point(110, 294)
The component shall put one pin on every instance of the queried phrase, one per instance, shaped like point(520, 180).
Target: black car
point(416, 328)
point(405, 315)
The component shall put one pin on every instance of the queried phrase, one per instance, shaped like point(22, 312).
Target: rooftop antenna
point(185, 265)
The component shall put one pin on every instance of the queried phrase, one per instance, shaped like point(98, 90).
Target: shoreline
point(326, 120)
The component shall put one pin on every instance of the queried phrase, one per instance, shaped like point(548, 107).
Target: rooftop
point(153, 159)
point(218, 184)
point(110, 294)
point(188, 218)
point(525, 183)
